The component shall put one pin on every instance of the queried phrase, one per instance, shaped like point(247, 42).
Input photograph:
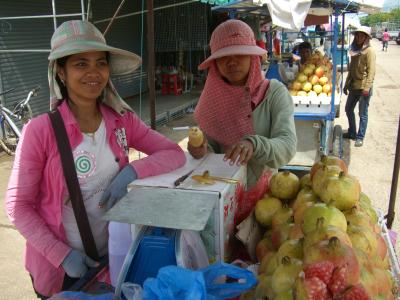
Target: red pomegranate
point(347, 269)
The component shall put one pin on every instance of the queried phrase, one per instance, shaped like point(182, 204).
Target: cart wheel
point(337, 141)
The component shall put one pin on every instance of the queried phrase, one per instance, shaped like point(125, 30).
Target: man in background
point(359, 82)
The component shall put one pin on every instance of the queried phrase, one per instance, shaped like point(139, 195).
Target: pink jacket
point(37, 189)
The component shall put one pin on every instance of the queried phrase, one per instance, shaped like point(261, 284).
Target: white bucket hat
point(77, 36)
point(364, 29)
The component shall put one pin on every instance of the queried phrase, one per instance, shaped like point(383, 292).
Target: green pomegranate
point(328, 161)
point(268, 264)
point(342, 191)
point(332, 217)
point(264, 287)
point(265, 210)
point(280, 234)
point(365, 199)
point(285, 274)
point(285, 185)
point(305, 180)
point(299, 212)
point(306, 194)
point(320, 177)
point(291, 248)
point(364, 239)
point(356, 217)
point(322, 232)
point(286, 295)
point(364, 204)
point(282, 216)
point(263, 247)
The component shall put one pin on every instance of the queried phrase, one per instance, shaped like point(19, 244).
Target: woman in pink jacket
point(101, 128)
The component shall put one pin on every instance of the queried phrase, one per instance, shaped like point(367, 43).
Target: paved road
point(372, 164)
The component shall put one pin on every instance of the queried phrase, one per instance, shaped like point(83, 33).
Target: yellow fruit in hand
point(196, 136)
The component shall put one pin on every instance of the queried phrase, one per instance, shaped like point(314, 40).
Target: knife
point(182, 178)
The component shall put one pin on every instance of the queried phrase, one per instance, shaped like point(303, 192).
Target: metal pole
point(113, 17)
point(395, 177)
point(334, 62)
point(40, 16)
point(151, 62)
point(89, 7)
point(53, 5)
point(83, 9)
point(341, 58)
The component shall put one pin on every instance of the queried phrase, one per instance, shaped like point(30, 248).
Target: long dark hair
point(61, 64)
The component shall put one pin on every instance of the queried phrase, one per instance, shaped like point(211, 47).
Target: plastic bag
point(248, 199)
point(214, 274)
point(81, 296)
point(132, 291)
point(175, 283)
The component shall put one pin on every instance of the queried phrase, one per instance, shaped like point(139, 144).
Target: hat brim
point(121, 61)
point(232, 50)
point(368, 34)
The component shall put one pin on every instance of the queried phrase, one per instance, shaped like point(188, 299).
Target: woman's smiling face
point(234, 68)
point(85, 75)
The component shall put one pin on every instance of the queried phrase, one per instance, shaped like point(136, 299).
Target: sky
point(390, 4)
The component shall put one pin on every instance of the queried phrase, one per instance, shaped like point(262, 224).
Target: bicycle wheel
point(9, 138)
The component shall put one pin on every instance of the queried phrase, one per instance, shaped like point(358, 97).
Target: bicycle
point(22, 113)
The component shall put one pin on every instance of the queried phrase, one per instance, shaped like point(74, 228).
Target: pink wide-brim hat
point(232, 37)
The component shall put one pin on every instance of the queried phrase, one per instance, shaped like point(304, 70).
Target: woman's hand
point(198, 152)
point(118, 187)
point(240, 153)
point(76, 264)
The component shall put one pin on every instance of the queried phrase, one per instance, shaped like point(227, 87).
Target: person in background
point(359, 83)
point(302, 52)
point(101, 128)
point(385, 40)
point(243, 115)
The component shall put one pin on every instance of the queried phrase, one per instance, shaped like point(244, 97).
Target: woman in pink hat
point(242, 114)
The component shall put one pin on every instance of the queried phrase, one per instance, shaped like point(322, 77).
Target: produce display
point(313, 78)
point(322, 239)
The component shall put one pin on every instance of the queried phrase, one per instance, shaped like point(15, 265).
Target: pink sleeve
point(163, 154)
point(23, 192)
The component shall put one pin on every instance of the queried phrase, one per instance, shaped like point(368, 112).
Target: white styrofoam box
point(220, 228)
point(316, 104)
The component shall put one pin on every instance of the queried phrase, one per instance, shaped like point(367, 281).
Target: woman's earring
point(63, 82)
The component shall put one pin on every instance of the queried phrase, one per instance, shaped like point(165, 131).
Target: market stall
point(315, 236)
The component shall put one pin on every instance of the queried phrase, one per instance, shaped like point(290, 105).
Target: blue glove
point(117, 188)
point(76, 264)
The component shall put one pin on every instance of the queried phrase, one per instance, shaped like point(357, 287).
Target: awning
point(291, 14)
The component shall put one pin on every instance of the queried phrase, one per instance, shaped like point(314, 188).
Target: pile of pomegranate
point(322, 239)
point(313, 78)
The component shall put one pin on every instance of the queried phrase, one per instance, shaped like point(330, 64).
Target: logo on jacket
point(121, 140)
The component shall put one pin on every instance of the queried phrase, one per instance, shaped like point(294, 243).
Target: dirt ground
point(372, 164)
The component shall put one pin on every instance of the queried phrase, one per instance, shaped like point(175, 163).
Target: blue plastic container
point(153, 249)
